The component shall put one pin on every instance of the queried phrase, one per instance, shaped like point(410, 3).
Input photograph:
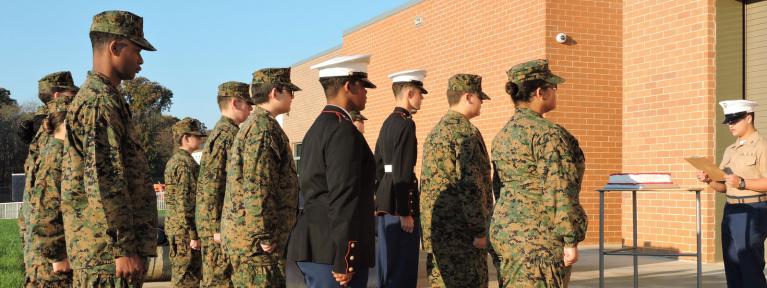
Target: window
point(297, 156)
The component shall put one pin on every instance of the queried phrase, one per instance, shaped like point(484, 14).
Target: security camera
point(561, 38)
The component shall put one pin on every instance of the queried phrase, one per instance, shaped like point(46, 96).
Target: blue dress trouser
point(397, 253)
point(744, 228)
point(318, 275)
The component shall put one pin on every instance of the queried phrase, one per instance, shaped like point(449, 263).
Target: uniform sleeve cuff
point(120, 252)
point(58, 257)
point(348, 264)
point(570, 242)
point(480, 234)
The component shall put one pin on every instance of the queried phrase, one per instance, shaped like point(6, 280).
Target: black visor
point(734, 117)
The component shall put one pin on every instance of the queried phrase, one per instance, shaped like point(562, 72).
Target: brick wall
point(589, 103)
point(308, 102)
point(668, 113)
point(450, 40)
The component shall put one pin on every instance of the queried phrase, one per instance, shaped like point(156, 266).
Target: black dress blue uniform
point(335, 230)
point(397, 195)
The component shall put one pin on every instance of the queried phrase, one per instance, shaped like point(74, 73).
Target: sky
point(200, 44)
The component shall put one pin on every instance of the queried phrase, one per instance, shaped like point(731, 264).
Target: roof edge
point(381, 16)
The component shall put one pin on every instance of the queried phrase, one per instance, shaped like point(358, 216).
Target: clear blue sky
point(200, 43)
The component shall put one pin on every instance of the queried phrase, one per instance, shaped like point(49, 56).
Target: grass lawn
point(11, 258)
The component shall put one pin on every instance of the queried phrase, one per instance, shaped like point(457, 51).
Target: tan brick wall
point(308, 102)
point(589, 103)
point(668, 112)
point(450, 41)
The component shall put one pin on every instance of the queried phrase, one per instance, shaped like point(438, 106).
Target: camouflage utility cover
point(122, 23)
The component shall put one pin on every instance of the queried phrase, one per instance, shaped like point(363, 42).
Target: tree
point(13, 152)
point(147, 100)
point(5, 97)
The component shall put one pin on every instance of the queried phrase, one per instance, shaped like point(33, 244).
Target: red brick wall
point(449, 41)
point(452, 40)
point(668, 113)
point(308, 102)
point(589, 103)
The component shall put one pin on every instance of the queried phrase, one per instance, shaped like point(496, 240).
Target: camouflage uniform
point(46, 85)
point(261, 194)
point(44, 230)
point(455, 196)
point(109, 207)
point(211, 186)
point(181, 187)
point(539, 168)
point(60, 80)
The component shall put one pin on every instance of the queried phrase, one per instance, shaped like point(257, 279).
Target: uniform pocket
point(749, 159)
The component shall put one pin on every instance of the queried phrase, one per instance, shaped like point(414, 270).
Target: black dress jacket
point(337, 179)
point(395, 156)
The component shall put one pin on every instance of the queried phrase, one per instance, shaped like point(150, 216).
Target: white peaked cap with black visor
point(736, 109)
point(353, 66)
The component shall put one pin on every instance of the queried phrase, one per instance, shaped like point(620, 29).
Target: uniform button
point(351, 257)
point(351, 269)
point(352, 245)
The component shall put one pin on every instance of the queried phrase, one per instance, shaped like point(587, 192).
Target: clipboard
point(702, 163)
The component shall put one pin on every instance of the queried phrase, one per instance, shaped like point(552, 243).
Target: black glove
point(27, 128)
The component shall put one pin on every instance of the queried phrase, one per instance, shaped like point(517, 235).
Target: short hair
point(398, 87)
point(222, 100)
point(99, 39)
point(180, 137)
point(332, 85)
point(260, 93)
point(47, 96)
point(453, 97)
point(527, 89)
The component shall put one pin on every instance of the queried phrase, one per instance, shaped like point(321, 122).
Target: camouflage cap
point(188, 126)
point(42, 110)
point(533, 70)
point(467, 83)
point(60, 104)
point(357, 116)
point(61, 80)
point(122, 23)
point(277, 76)
point(235, 89)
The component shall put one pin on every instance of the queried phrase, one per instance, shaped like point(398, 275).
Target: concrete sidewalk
point(653, 272)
